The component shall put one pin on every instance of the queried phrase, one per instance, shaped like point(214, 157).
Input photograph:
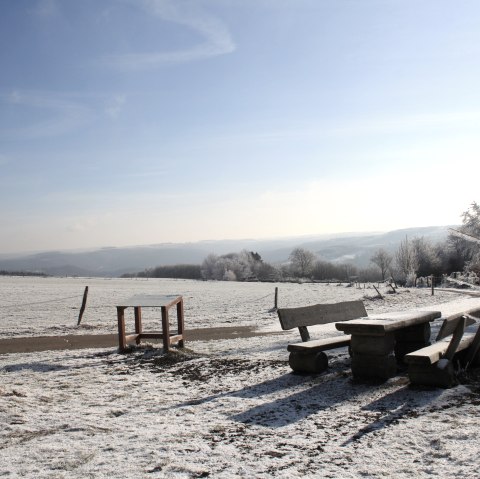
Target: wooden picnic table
point(165, 303)
point(380, 341)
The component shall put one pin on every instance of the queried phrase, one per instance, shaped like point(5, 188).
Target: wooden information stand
point(138, 302)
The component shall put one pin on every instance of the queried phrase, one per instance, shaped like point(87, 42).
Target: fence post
point(275, 306)
point(84, 304)
point(432, 285)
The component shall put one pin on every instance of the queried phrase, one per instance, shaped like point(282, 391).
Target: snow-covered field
point(225, 408)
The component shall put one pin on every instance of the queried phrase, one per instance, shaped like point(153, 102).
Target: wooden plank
point(456, 338)
point(320, 344)
point(151, 300)
point(320, 314)
point(432, 354)
point(450, 322)
point(381, 324)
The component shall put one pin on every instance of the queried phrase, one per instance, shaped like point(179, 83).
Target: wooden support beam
point(122, 343)
point(181, 323)
point(166, 329)
point(138, 322)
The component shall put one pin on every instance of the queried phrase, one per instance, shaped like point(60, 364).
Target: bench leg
point(308, 362)
point(433, 375)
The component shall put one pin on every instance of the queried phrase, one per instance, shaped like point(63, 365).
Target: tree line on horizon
point(416, 257)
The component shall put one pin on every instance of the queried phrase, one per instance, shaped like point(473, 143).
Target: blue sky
point(128, 122)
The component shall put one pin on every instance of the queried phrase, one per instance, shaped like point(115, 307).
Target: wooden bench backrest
point(451, 323)
point(320, 314)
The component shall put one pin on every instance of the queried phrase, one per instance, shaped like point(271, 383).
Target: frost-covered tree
point(382, 259)
point(471, 246)
point(405, 259)
point(241, 266)
point(208, 266)
point(427, 261)
point(302, 261)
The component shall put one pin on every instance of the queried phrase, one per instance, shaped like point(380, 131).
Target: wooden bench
point(435, 365)
point(308, 356)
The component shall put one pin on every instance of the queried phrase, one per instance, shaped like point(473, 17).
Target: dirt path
point(72, 341)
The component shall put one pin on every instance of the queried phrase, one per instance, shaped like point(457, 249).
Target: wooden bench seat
point(434, 365)
point(433, 353)
point(308, 356)
point(320, 344)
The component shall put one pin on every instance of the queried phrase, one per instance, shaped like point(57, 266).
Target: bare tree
point(302, 261)
point(382, 259)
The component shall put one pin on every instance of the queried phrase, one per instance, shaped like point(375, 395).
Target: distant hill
point(355, 248)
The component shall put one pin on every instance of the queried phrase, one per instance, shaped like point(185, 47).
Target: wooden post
point(275, 305)
point(84, 304)
point(166, 330)
point(432, 285)
point(378, 292)
point(138, 323)
point(122, 342)
point(181, 323)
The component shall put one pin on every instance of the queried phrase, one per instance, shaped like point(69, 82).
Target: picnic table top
point(382, 323)
point(150, 300)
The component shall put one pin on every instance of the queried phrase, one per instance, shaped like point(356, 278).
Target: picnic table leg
point(181, 323)
point(165, 330)
point(138, 323)
point(372, 356)
point(122, 342)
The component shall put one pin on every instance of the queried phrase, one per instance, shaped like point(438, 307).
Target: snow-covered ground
point(225, 408)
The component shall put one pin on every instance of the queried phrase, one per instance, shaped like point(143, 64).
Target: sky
point(130, 122)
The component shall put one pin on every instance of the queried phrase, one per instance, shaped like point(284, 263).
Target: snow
point(225, 408)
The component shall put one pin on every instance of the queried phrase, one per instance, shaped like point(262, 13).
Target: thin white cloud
point(357, 127)
point(61, 114)
point(115, 106)
point(217, 38)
